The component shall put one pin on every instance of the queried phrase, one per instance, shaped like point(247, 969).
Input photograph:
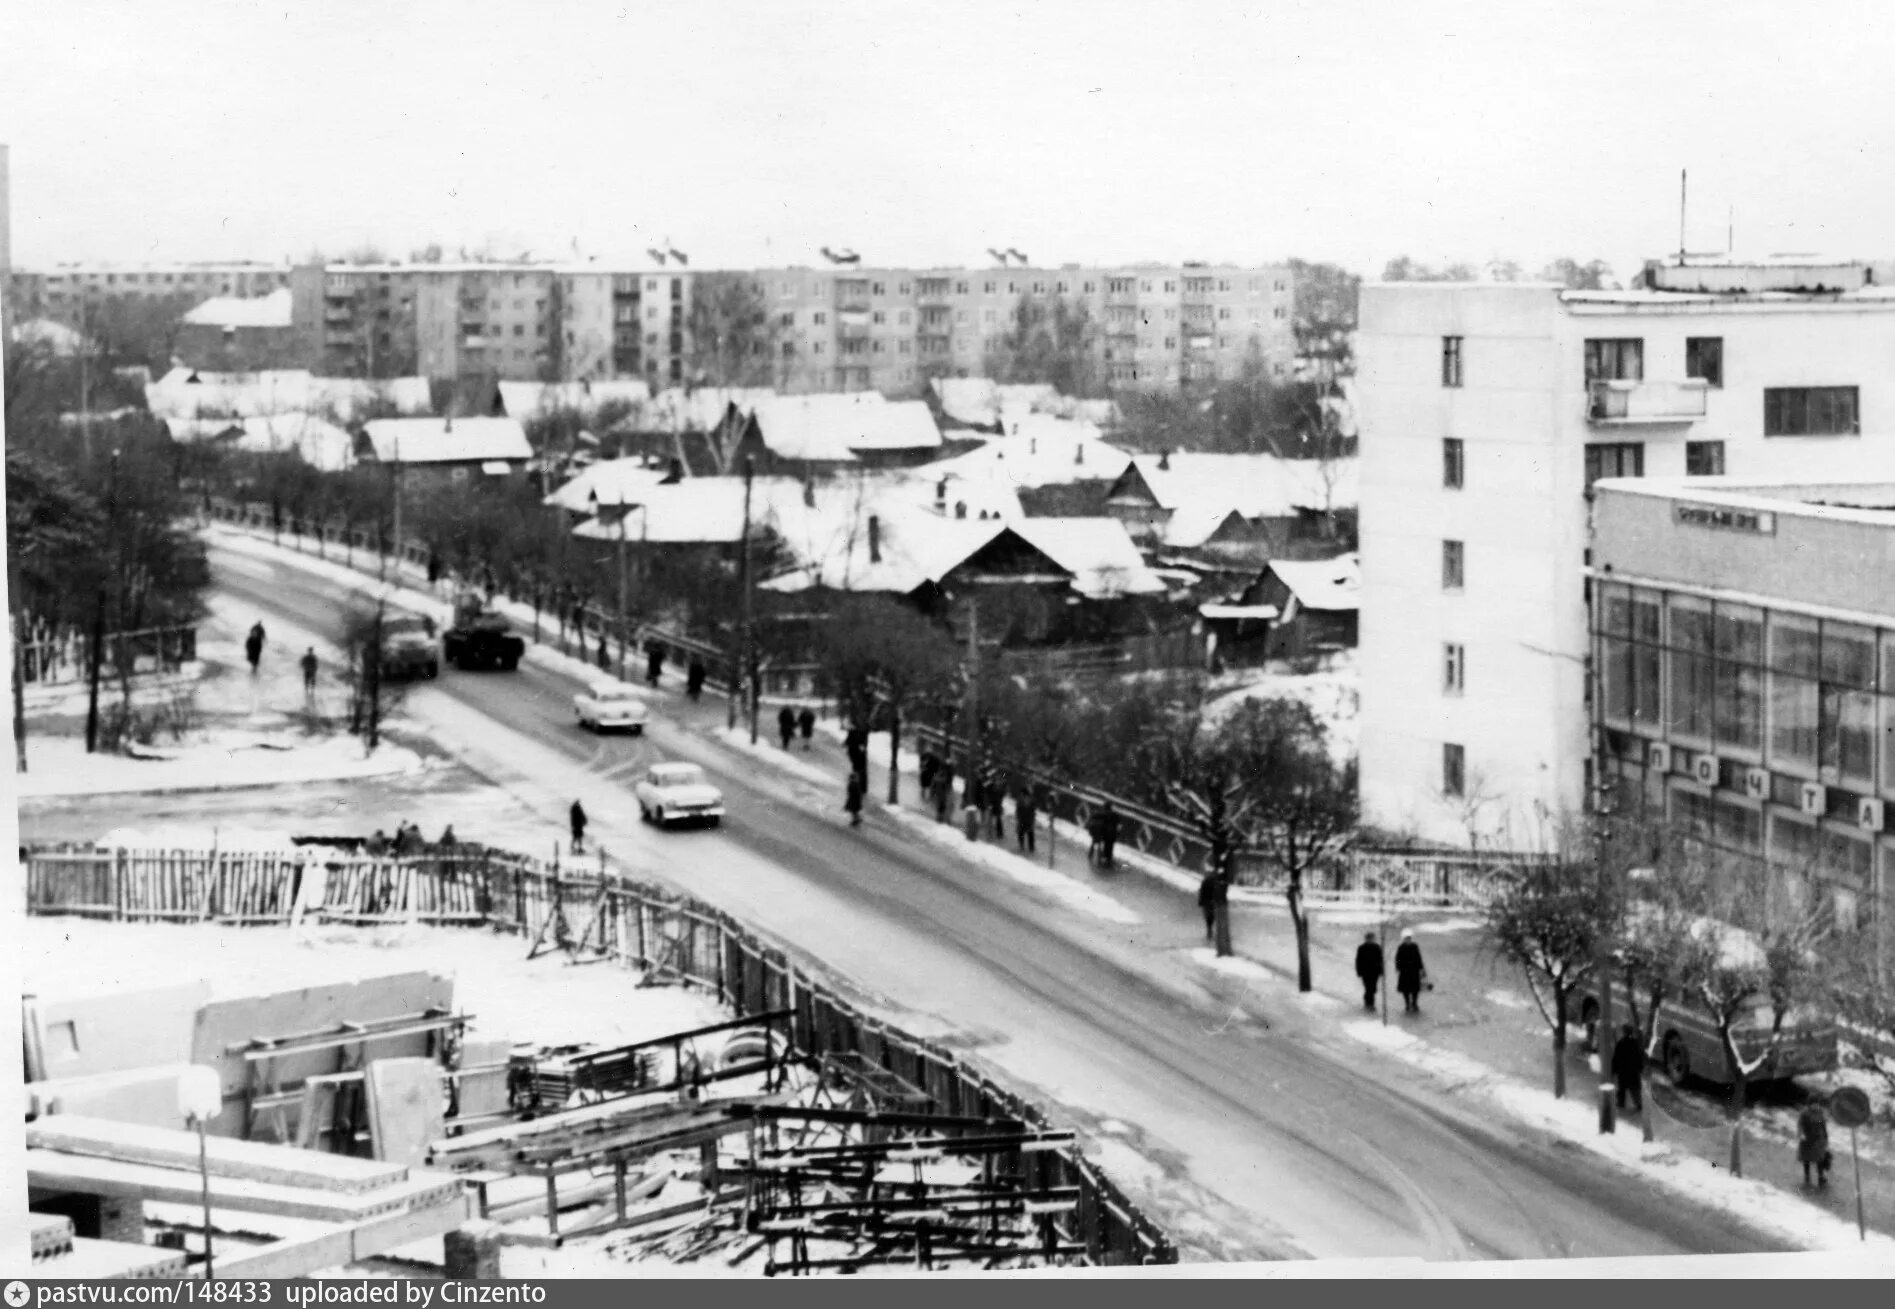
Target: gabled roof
point(272, 310)
point(1257, 486)
point(524, 400)
point(1193, 525)
point(815, 428)
point(447, 441)
point(696, 511)
point(615, 481)
point(1333, 585)
point(1046, 452)
point(894, 425)
point(320, 443)
point(914, 549)
point(1098, 552)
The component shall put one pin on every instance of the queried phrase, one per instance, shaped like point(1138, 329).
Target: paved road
point(1270, 1137)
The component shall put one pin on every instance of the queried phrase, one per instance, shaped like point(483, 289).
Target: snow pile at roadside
point(61, 766)
point(1017, 867)
point(1575, 1123)
point(181, 836)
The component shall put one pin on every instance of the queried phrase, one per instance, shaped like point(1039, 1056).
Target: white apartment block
point(1487, 410)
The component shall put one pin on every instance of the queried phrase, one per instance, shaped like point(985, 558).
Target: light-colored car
point(678, 793)
point(610, 705)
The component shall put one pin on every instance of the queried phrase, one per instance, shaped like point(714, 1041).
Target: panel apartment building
point(1487, 411)
point(830, 329)
point(61, 292)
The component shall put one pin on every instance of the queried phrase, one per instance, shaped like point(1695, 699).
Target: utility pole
point(397, 541)
point(19, 673)
point(1602, 1040)
point(741, 656)
point(98, 619)
point(624, 618)
point(751, 663)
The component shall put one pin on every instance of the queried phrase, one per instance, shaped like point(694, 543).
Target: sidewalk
point(1479, 1031)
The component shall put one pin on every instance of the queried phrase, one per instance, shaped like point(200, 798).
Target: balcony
point(1612, 403)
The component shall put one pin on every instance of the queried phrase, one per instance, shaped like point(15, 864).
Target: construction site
point(472, 1064)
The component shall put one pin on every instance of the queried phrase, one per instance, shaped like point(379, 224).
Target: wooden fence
point(643, 927)
point(145, 650)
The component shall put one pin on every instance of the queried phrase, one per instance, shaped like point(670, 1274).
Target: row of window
point(1807, 697)
point(1113, 286)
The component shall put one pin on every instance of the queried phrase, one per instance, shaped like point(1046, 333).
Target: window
point(789, 349)
point(1703, 458)
point(1453, 561)
point(1450, 358)
point(1689, 625)
point(1223, 313)
point(1631, 656)
point(1738, 644)
point(878, 288)
point(1280, 313)
point(986, 288)
point(1795, 698)
point(1704, 357)
point(878, 318)
point(902, 318)
point(1453, 770)
point(819, 318)
point(989, 315)
point(1626, 459)
point(901, 347)
point(816, 349)
point(1810, 411)
point(788, 320)
point(960, 288)
point(1453, 668)
point(1617, 359)
point(1453, 462)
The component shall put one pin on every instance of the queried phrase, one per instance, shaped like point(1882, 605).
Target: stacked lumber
point(246, 1161)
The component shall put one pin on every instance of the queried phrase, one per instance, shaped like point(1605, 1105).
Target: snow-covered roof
point(320, 443)
point(982, 402)
point(1047, 451)
point(55, 336)
point(894, 425)
point(701, 408)
point(347, 396)
point(442, 441)
point(524, 400)
point(971, 400)
point(695, 511)
point(614, 481)
point(910, 550)
point(190, 393)
point(1257, 486)
point(272, 310)
point(1098, 552)
point(1331, 585)
point(830, 428)
point(1194, 524)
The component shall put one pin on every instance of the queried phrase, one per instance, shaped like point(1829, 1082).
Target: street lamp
point(200, 1097)
point(620, 510)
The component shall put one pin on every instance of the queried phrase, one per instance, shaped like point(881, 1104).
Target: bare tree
point(733, 332)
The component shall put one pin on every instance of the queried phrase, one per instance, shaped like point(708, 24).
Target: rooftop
point(272, 310)
point(443, 440)
point(1869, 499)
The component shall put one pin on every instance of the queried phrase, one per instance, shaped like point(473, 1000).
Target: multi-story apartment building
point(1744, 674)
point(469, 322)
point(61, 292)
point(1152, 326)
point(1487, 410)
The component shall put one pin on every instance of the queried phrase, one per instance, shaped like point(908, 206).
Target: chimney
point(1079, 452)
point(1033, 445)
point(875, 539)
point(809, 492)
point(1164, 461)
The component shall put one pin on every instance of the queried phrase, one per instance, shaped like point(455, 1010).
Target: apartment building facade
point(61, 292)
point(1487, 411)
point(1152, 326)
point(1744, 674)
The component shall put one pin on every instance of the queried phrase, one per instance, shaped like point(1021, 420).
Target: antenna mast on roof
point(1682, 176)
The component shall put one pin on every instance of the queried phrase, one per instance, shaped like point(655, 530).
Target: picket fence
point(666, 936)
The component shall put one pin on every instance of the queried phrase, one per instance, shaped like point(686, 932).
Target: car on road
point(408, 648)
point(678, 793)
point(610, 705)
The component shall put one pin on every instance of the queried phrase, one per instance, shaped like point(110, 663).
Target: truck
point(408, 648)
point(479, 637)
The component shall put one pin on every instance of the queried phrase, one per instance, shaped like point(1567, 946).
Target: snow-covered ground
point(216, 761)
point(1331, 692)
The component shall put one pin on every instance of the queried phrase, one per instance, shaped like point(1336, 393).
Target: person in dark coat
point(1025, 819)
point(694, 678)
point(943, 791)
point(447, 841)
point(434, 568)
point(376, 846)
point(1628, 1068)
point(806, 724)
point(1812, 1142)
point(786, 725)
point(1108, 833)
point(995, 793)
point(853, 800)
point(578, 818)
point(856, 743)
point(654, 664)
point(1208, 898)
point(253, 647)
point(1409, 972)
point(1369, 967)
point(309, 674)
point(930, 765)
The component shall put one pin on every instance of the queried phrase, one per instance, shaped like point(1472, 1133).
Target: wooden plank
point(301, 1256)
point(405, 1108)
point(238, 1160)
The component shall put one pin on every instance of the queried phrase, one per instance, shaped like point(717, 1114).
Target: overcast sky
point(1085, 131)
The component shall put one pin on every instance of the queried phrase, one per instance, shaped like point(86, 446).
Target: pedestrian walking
point(1025, 819)
point(930, 765)
point(995, 793)
point(578, 818)
point(1208, 891)
point(434, 568)
point(786, 725)
point(1812, 1142)
point(856, 743)
point(694, 678)
point(943, 791)
point(253, 647)
point(853, 799)
point(447, 841)
point(1409, 972)
point(376, 846)
point(1628, 1068)
point(1369, 967)
point(806, 723)
point(1108, 833)
point(654, 663)
point(309, 674)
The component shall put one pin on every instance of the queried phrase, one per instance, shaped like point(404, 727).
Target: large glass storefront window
point(1794, 699)
point(1630, 657)
point(1848, 726)
point(1739, 717)
point(1691, 683)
